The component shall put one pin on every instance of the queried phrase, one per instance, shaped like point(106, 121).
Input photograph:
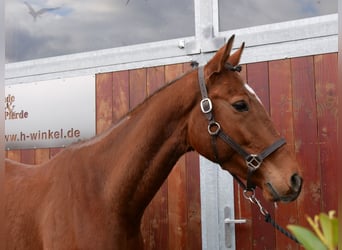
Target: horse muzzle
point(289, 195)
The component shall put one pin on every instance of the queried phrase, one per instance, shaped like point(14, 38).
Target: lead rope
point(250, 195)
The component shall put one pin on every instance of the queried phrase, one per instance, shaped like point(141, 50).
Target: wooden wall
point(301, 97)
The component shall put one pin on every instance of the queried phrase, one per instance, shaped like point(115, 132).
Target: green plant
point(324, 235)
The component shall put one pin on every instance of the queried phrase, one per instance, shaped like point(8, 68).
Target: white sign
point(50, 113)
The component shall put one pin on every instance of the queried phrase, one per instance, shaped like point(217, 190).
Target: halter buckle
point(253, 161)
point(206, 105)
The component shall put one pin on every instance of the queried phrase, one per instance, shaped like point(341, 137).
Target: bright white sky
point(84, 25)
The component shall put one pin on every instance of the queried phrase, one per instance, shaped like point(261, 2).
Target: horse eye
point(240, 106)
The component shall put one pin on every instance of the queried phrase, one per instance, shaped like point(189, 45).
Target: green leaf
point(335, 231)
point(327, 228)
point(307, 238)
point(330, 229)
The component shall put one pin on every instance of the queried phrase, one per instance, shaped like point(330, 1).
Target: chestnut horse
point(92, 195)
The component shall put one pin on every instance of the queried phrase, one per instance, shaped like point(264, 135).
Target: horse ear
point(216, 64)
point(226, 53)
point(235, 58)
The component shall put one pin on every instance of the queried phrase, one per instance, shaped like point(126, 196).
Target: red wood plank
point(137, 87)
point(305, 129)
point(193, 194)
point(155, 222)
point(104, 101)
point(257, 78)
point(281, 98)
point(14, 155)
point(173, 71)
point(120, 94)
point(42, 155)
point(27, 156)
point(282, 116)
point(243, 210)
point(327, 115)
point(155, 79)
point(177, 206)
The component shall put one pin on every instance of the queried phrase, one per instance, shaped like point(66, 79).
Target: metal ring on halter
point(214, 128)
point(249, 194)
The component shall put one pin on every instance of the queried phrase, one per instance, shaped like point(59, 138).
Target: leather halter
point(253, 161)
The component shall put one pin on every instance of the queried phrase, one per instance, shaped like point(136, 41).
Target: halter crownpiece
point(230, 67)
point(253, 161)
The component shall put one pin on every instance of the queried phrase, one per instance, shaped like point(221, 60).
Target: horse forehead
point(251, 90)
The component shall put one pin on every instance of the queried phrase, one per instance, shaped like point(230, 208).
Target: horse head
point(231, 127)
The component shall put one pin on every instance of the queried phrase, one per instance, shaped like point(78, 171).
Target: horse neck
point(142, 150)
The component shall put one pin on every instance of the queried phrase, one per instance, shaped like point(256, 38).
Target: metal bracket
point(228, 226)
point(205, 46)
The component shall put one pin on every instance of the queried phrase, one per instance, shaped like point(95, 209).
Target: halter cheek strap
point(253, 161)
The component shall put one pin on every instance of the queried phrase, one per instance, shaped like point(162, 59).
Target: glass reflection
point(43, 28)
point(247, 13)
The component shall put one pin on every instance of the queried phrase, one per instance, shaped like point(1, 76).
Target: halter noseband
point(253, 161)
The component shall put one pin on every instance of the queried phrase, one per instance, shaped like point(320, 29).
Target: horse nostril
point(296, 182)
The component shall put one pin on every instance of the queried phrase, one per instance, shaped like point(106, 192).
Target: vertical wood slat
point(27, 156)
point(193, 197)
point(14, 155)
point(104, 101)
point(305, 130)
point(257, 75)
point(155, 79)
point(327, 116)
point(257, 78)
point(41, 155)
point(281, 113)
point(177, 206)
point(137, 87)
point(120, 94)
